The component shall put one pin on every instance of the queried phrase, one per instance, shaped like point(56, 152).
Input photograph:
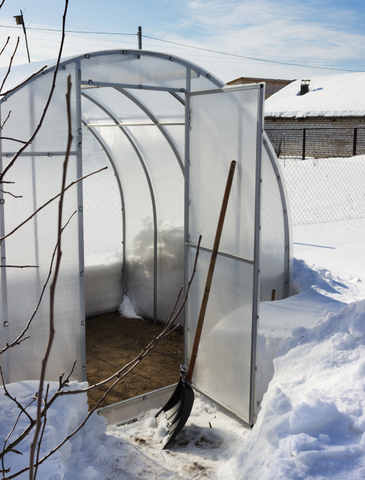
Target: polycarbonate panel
point(39, 178)
point(168, 185)
point(203, 82)
point(223, 366)
point(223, 129)
point(177, 135)
point(27, 106)
point(103, 231)
point(273, 243)
point(162, 105)
point(134, 68)
point(116, 103)
point(138, 217)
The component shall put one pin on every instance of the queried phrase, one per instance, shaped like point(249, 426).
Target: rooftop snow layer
point(333, 95)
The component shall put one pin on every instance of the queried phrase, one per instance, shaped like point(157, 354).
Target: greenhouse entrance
point(167, 130)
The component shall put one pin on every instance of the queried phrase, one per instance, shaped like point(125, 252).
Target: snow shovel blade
point(177, 409)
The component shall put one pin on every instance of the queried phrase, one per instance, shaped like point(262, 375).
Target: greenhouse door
point(225, 125)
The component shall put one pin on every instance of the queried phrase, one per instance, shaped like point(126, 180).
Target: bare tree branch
point(2, 3)
point(49, 201)
point(7, 394)
point(10, 64)
point(52, 287)
point(9, 193)
point(7, 40)
point(6, 119)
point(19, 266)
point(42, 434)
point(13, 139)
point(22, 410)
point(13, 160)
point(25, 81)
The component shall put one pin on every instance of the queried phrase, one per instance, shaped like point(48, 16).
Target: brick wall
point(317, 137)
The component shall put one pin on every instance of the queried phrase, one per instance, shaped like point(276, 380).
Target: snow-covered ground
point(311, 420)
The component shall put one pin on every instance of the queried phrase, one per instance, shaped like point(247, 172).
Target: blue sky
point(264, 38)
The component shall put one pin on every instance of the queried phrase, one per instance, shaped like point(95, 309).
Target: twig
point(7, 40)
point(49, 201)
point(10, 64)
point(23, 410)
point(53, 286)
point(9, 193)
point(13, 160)
point(2, 3)
point(65, 383)
point(7, 394)
point(12, 139)
point(18, 340)
point(25, 81)
point(19, 266)
point(42, 434)
point(6, 119)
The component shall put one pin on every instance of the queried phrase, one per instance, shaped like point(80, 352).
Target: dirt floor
point(112, 341)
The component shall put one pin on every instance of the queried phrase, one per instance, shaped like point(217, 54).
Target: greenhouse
point(167, 130)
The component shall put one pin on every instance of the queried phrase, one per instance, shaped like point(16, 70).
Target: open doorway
point(111, 340)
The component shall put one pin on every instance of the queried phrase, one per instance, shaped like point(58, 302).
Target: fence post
point(303, 149)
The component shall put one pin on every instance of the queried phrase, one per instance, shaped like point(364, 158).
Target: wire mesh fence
point(327, 189)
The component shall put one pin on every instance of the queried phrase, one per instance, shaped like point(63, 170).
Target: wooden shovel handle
point(208, 282)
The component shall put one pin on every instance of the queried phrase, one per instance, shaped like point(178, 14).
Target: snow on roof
point(333, 95)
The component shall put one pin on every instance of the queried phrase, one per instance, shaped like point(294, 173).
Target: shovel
point(178, 407)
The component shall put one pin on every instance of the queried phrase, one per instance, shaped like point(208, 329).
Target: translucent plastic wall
point(275, 251)
point(223, 127)
point(103, 230)
point(37, 178)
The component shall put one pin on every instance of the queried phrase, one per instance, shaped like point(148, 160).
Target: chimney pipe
point(304, 87)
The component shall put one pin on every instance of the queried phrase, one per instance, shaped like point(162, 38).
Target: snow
point(127, 310)
point(331, 95)
point(311, 368)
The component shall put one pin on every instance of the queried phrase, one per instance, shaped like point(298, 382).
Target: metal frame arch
point(155, 122)
point(150, 187)
point(110, 159)
point(286, 211)
point(63, 64)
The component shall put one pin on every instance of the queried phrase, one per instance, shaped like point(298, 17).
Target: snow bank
point(81, 457)
point(312, 420)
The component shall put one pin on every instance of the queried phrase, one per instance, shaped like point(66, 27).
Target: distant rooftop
point(272, 85)
point(329, 96)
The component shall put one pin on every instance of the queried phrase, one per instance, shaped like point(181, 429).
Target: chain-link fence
point(327, 189)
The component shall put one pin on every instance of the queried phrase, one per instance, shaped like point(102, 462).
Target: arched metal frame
point(145, 170)
point(111, 161)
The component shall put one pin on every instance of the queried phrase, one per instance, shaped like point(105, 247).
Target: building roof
point(329, 96)
point(273, 85)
